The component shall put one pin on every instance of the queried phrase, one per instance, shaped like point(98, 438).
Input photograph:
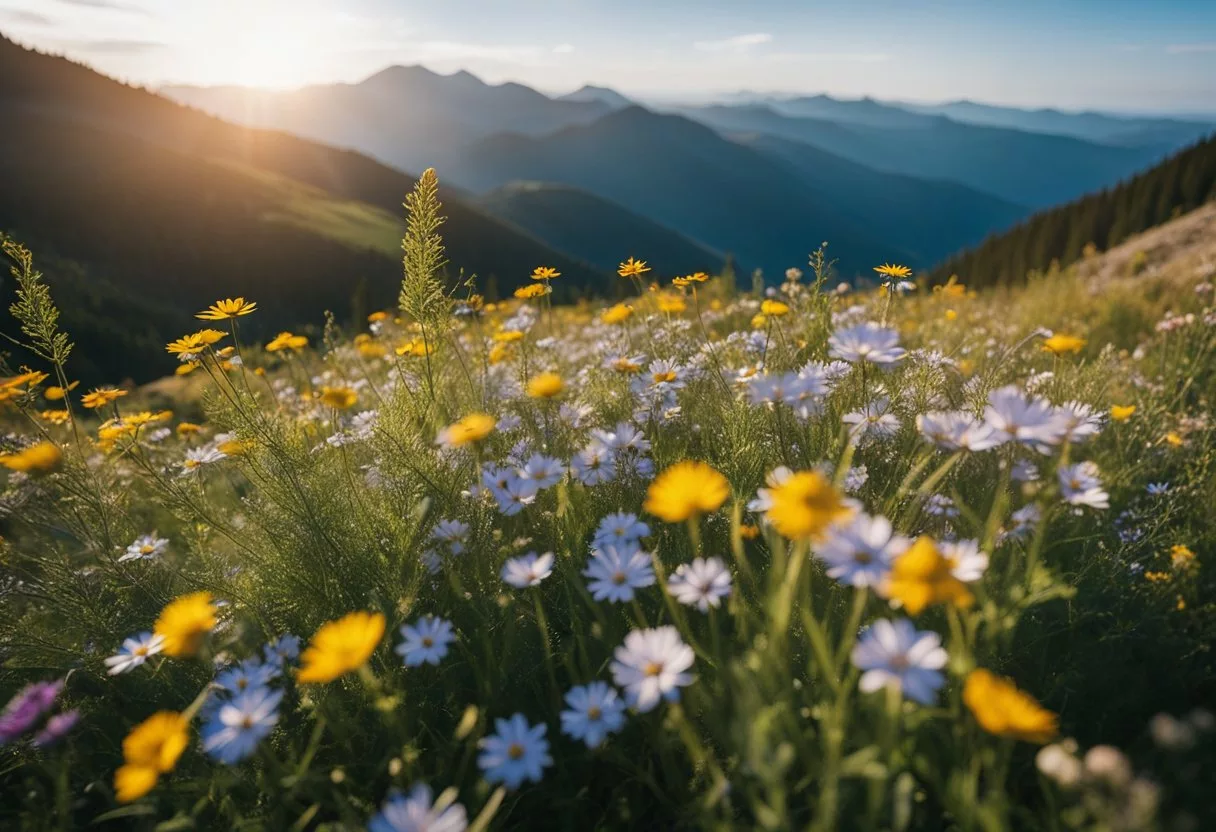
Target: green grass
point(1094, 613)
point(351, 223)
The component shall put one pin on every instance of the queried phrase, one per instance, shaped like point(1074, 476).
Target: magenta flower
point(26, 708)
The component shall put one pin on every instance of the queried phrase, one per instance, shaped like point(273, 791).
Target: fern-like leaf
point(34, 309)
point(422, 296)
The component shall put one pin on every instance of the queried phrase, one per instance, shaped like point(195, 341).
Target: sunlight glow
point(275, 45)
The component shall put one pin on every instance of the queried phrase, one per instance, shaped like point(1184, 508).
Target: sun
point(266, 46)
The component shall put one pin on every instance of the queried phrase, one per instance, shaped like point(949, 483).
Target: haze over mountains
point(762, 180)
point(144, 210)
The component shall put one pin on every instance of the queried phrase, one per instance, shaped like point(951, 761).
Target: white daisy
point(418, 812)
point(616, 573)
point(593, 465)
point(896, 654)
point(236, 728)
point(1080, 485)
point(621, 529)
point(1079, 421)
point(860, 553)
point(543, 471)
point(873, 421)
point(955, 430)
point(1016, 418)
point(135, 651)
point(197, 458)
point(452, 533)
point(595, 712)
point(967, 562)
point(145, 546)
point(701, 584)
point(515, 752)
point(868, 342)
point(650, 666)
point(426, 641)
point(528, 570)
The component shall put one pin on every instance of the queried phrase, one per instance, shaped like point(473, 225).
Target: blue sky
point(1131, 55)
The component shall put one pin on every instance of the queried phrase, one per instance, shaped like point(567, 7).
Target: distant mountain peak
point(636, 118)
point(603, 95)
point(415, 75)
point(397, 71)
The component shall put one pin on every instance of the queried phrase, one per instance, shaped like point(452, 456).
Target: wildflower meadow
point(702, 555)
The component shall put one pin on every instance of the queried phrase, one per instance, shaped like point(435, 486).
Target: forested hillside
point(1105, 219)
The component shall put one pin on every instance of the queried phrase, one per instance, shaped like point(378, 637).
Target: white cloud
point(834, 57)
point(116, 46)
point(26, 17)
point(107, 4)
point(1189, 48)
point(738, 43)
point(563, 49)
point(447, 50)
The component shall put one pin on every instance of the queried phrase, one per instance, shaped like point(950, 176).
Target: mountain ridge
point(1025, 168)
point(1061, 235)
point(573, 220)
point(132, 194)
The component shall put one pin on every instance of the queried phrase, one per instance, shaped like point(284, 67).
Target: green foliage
point(295, 507)
point(34, 309)
point(422, 295)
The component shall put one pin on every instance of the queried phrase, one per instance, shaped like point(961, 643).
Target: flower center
point(863, 558)
point(140, 651)
point(594, 713)
point(246, 722)
point(618, 578)
point(146, 549)
point(515, 751)
point(662, 377)
point(427, 641)
point(652, 669)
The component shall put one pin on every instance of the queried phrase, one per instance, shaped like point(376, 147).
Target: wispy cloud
point(738, 43)
point(117, 47)
point(25, 16)
point(835, 57)
point(446, 50)
point(1189, 48)
point(113, 5)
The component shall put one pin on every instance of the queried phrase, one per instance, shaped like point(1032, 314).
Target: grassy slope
point(352, 223)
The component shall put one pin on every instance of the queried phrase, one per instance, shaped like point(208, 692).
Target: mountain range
point(767, 180)
point(1028, 169)
point(1104, 128)
point(144, 209)
point(578, 219)
point(152, 210)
